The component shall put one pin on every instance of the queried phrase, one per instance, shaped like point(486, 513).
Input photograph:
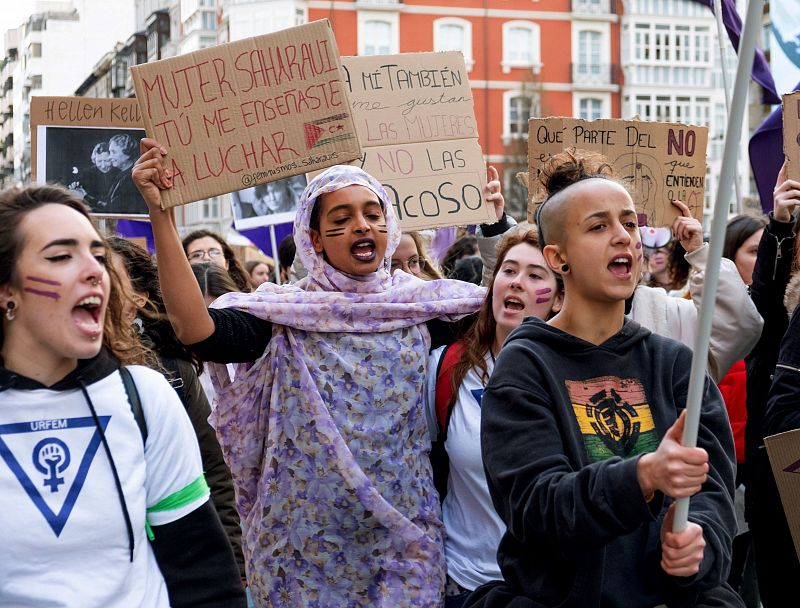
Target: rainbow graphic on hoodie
point(614, 417)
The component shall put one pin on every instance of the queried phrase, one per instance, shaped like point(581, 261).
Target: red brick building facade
point(525, 58)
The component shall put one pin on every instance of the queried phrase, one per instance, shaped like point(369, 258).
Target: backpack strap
point(134, 401)
point(175, 378)
point(444, 385)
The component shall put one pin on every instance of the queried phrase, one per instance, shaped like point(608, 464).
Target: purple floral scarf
point(326, 434)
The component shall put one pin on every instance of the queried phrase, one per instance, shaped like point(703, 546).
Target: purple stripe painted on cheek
point(544, 290)
point(47, 294)
point(542, 300)
point(638, 245)
point(45, 281)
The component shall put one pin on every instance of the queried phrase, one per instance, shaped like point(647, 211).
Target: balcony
point(377, 5)
point(592, 7)
point(592, 75)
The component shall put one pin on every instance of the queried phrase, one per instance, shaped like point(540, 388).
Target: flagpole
point(722, 37)
point(733, 139)
point(272, 242)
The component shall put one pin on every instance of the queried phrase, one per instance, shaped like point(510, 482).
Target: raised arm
point(489, 235)
point(182, 296)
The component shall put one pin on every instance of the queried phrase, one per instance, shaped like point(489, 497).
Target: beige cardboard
point(791, 132)
point(81, 112)
point(71, 127)
point(248, 112)
point(415, 119)
point(658, 161)
point(784, 456)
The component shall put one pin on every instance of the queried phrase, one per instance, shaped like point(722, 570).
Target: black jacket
point(777, 565)
point(563, 424)
point(184, 380)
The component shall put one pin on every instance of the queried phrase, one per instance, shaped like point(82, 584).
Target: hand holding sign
point(687, 229)
point(149, 174)
point(786, 195)
point(494, 195)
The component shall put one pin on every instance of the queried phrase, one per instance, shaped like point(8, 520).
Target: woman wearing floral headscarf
point(326, 432)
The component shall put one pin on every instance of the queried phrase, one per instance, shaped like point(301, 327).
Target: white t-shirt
point(65, 542)
point(473, 528)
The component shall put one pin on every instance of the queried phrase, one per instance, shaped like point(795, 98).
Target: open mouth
point(620, 266)
point(86, 315)
point(363, 250)
point(513, 304)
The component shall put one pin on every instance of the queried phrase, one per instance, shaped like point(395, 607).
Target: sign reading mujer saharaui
point(248, 112)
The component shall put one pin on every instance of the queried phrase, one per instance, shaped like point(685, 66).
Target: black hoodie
point(563, 424)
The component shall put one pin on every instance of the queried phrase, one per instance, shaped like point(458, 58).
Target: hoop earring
point(564, 268)
point(11, 310)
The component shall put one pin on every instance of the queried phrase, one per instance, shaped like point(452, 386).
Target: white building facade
point(671, 61)
point(55, 48)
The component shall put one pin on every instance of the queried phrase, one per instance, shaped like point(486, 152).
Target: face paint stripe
point(45, 281)
point(638, 245)
point(544, 290)
point(542, 300)
point(39, 292)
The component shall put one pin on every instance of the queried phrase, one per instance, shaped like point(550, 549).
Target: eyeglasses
point(412, 265)
point(198, 255)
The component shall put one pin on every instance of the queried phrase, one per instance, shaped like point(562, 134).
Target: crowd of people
point(497, 425)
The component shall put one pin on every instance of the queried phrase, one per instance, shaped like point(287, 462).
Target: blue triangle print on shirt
point(478, 394)
point(50, 461)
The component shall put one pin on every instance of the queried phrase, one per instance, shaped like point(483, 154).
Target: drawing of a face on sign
point(642, 175)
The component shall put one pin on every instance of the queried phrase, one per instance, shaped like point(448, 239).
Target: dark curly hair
point(156, 327)
point(559, 173)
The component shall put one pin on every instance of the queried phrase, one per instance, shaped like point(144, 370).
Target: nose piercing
point(95, 281)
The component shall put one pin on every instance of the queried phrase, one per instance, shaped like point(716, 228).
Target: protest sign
point(791, 133)
point(415, 119)
point(659, 162)
point(89, 145)
point(784, 457)
point(248, 112)
point(267, 204)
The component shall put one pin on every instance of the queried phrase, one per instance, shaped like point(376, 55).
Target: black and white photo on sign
point(267, 204)
point(95, 163)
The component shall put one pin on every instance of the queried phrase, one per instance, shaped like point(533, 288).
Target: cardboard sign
point(659, 162)
point(791, 132)
point(784, 457)
point(89, 145)
point(248, 112)
point(415, 119)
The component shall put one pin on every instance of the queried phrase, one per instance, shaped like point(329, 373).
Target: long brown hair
point(480, 337)
point(15, 204)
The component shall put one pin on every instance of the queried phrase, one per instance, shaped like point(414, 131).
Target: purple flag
point(260, 237)
point(761, 73)
point(136, 228)
point(766, 155)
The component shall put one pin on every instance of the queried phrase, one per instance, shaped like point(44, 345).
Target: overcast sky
point(13, 13)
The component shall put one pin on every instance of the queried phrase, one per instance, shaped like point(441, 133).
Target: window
point(518, 108)
point(590, 108)
point(377, 38)
point(454, 35)
point(209, 20)
point(35, 49)
point(36, 81)
point(521, 46)
point(589, 52)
